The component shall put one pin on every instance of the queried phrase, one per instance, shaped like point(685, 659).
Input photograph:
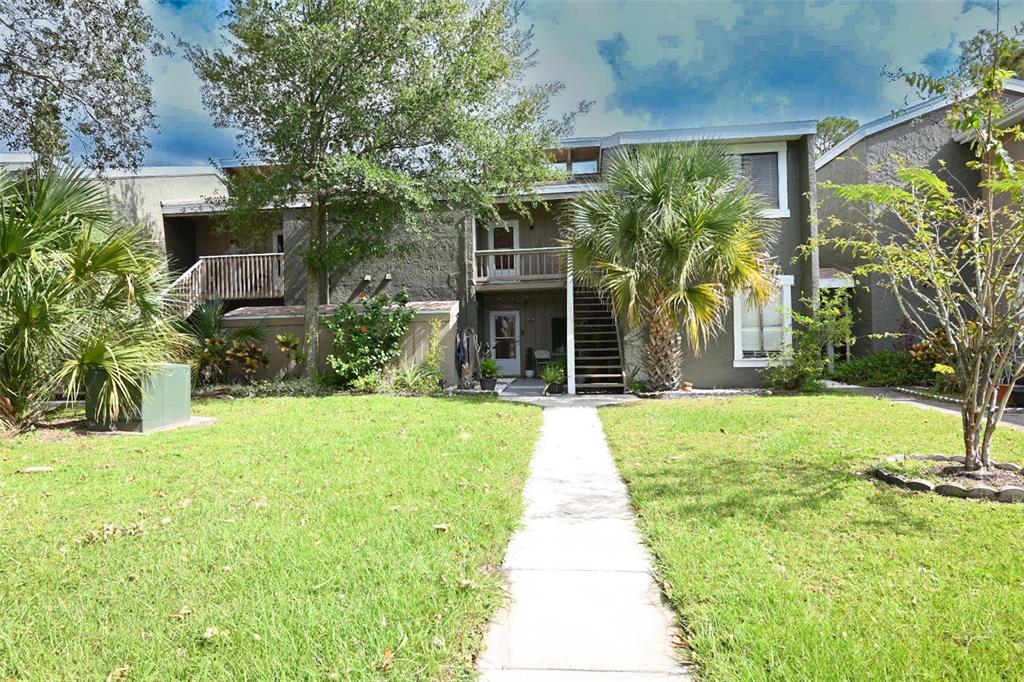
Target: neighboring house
point(507, 280)
point(917, 136)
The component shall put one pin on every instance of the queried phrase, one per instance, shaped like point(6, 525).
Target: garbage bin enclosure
point(165, 400)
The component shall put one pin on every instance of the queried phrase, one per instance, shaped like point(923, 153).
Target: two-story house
point(508, 278)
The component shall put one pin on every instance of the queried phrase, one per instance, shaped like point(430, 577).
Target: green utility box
point(166, 400)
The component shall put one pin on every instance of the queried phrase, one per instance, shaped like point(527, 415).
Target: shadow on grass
point(731, 489)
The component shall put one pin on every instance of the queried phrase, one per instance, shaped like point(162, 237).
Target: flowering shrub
point(367, 335)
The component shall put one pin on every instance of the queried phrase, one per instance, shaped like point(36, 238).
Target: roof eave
point(879, 125)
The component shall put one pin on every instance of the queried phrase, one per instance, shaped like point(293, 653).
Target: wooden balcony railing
point(520, 265)
point(247, 276)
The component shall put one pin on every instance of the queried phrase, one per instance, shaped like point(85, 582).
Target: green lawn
point(345, 538)
point(785, 564)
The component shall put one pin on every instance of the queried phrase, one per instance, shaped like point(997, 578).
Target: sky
point(657, 64)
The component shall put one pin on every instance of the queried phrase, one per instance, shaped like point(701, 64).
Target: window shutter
point(762, 171)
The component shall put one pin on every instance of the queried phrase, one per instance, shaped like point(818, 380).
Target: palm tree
point(673, 233)
point(78, 291)
point(212, 342)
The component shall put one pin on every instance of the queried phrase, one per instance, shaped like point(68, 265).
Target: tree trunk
point(311, 345)
point(974, 455)
point(663, 355)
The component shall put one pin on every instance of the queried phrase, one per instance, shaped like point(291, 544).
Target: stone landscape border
point(1006, 493)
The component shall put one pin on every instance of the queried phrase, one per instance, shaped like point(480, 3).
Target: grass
point(345, 538)
point(786, 564)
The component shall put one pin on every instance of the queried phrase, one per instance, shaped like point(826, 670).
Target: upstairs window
point(762, 171)
point(584, 160)
point(584, 167)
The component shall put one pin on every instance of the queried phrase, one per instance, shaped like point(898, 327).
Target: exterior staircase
point(599, 367)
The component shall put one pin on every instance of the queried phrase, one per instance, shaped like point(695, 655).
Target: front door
point(505, 340)
point(504, 236)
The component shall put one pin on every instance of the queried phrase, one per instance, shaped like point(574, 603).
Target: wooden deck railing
point(520, 265)
point(247, 276)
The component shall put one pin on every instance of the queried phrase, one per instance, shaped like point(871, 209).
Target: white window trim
point(786, 287)
point(780, 149)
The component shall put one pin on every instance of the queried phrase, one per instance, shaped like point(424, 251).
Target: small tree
point(76, 71)
point(956, 263)
point(374, 114)
point(674, 232)
point(804, 362)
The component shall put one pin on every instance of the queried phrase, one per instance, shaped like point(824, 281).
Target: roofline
point(767, 132)
point(1014, 113)
point(889, 121)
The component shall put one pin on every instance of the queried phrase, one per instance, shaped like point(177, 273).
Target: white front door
point(505, 340)
point(504, 236)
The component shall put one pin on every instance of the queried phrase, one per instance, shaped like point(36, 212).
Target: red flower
point(362, 297)
point(363, 329)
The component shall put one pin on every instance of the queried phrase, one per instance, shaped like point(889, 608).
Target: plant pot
point(488, 384)
point(1001, 392)
point(555, 389)
point(529, 373)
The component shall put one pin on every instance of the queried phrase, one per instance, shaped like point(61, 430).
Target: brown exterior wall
point(415, 343)
point(536, 310)
point(538, 229)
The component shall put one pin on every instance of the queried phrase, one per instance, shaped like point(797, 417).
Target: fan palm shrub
point(78, 291)
point(674, 232)
point(215, 348)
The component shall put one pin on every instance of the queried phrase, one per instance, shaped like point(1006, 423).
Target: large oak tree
point(375, 114)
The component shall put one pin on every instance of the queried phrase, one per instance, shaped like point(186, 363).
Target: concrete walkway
point(582, 602)
point(1014, 420)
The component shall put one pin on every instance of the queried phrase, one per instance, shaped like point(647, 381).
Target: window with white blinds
point(762, 331)
point(762, 170)
point(762, 327)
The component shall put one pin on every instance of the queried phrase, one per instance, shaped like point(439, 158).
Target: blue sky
point(653, 64)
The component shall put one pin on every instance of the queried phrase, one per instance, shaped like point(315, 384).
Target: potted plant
point(553, 376)
point(529, 363)
point(489, 371)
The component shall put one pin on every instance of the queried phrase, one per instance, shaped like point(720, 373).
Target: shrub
point(248, 356)
point(803, 365)
point(79, 290)
point(413, 379)
point(432, 365)
point(265, 388)
point(290, 345)
point(553, 373)
point(885, 368)
point(489, 368)
point(367, 335)
point(369, 383)
point(935, 351)
point(221, 355)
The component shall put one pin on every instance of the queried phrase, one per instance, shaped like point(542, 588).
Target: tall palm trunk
point(663, 354)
